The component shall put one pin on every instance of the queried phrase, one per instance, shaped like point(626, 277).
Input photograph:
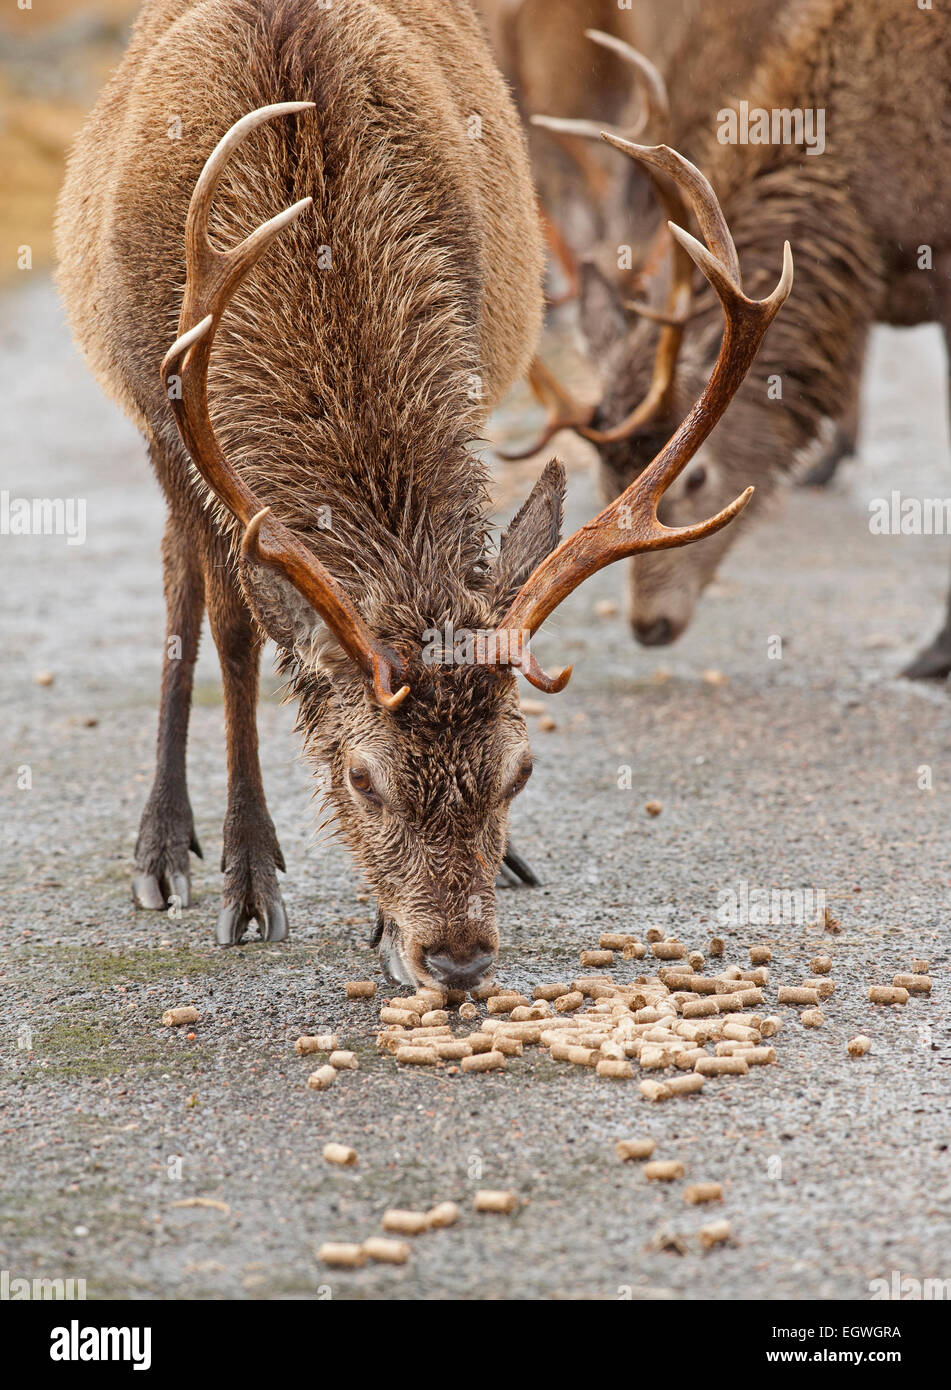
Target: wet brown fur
point(348, 397)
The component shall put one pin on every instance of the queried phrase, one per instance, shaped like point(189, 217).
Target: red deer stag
point(335, 504)
point(859, 213)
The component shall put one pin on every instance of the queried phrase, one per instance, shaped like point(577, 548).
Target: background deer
point(856, 215)
point(361, 335)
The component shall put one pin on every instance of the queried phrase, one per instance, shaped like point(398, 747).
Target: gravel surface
point(804, 772)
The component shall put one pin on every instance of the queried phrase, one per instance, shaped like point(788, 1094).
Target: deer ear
point(601, 310)
point(287, 618)
point(532, 534)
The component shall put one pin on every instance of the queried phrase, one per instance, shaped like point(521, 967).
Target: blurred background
point(54, 58)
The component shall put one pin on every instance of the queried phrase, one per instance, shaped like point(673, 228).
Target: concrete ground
point(799, 773)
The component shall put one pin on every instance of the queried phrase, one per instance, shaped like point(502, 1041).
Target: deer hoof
point(934, 663)
point(234, 920)
point(515, 871)
point(147, 893)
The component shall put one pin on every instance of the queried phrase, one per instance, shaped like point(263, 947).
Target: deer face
point(422, 795)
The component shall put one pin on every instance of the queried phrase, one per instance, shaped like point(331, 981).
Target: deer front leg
point(251, 854)
point(167, 828)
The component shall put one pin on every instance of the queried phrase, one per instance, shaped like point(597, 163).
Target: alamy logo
point(43, 516)
point(780, 126)
point(903, 1288)
point(909, 516)
point(17, 1289)
point(75, 1343)
point(463, 646)
point(744, 906)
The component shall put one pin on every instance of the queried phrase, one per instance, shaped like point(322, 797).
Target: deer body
point(855, 214)
point(310, 320)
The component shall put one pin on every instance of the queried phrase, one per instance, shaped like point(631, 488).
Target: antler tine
point(211, 279)
point(564, 411)
point(630, 525)
point(652, 83)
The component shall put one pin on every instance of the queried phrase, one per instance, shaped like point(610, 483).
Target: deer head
point(422, 736)
point(651, 367)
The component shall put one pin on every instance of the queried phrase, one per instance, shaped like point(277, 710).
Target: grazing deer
point(326, 495)
point(856, 214)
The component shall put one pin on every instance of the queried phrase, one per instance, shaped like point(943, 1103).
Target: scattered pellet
point(858, 1046)
point(737, 1033)
point(715, 1234)
point(406, 1223)
point(597, 957)
point(664, 1170)
point(915, 984)
point(318, 1042)
point(684, 1085)
point(619, 1070)
point(820, 965)
point(388, 1252)
point(442, 1215)
point(583, 1056)
point(653, 934)
point(628, 1149)
point(759, 976)
point(653, 808)
point(480, 1042)
point(721, 1066)
point(634, 950)
point(323, 1077)
point(760, 955)
point(360, 989)
point(888, 994)
point(688, 1059)
point(791, 994)
point(567, 1003)
point(174, 1018)
point(812, 1018)
point(434, 1018)
point(467, 1012)
point(654, 1090)
point(43, 678)
point(483, 1061)
point(487, 1199)
point(509, 1047)
point(453, 1050)
point(547, 724)
point(614, 941)
point(669, 950)
point(334, 1252)
point(504, 1003)
point(404, 1016)
point(532, 706)
point(343, 1060)
point(550, 992)
point(340, 1153)
point(420, 1056)
point(697, 1192)
point(824, 987)
point(485, 991)
point(699, 1008)
point(921, 967)
point(716, 946)
point(696, 959)
point(527, 1013)
point(770, 1026)
point(435, 998)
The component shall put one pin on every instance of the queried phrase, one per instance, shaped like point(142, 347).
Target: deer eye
point(525, 771)
point(362, 782)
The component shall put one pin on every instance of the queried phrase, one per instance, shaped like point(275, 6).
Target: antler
point(630, 525)
point(673, 318)
point(211, 279)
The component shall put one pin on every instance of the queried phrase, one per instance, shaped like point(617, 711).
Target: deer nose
point(454, 972)
point(657, 633)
